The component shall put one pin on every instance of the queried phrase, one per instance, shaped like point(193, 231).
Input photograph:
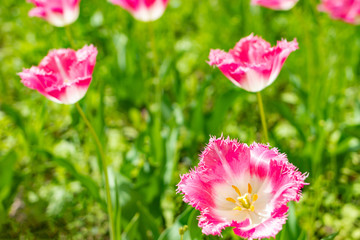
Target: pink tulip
point(275, 4)
point(64, 75)
point(244, 187)
point(253, 64)
point(143, 10)
point(57, 12)
point(346, 10)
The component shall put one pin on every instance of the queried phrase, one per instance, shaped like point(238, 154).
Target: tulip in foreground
point(275, 4)
point(64, 75)
point(346, 10)
point(253, 64)
point(244, 187)
point(143, 10)
point(57, 12)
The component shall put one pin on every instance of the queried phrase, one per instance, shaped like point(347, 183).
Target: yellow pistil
point(245, 201)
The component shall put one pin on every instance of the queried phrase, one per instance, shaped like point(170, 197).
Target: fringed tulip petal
point(143, 10)
point(64, 75)
point(345, 10)
point(243, 187)
point(268, 228)
point(57, 12)
point(253, 64)
point(196, 188)
point(275, 4)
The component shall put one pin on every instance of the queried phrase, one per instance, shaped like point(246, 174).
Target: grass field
point(50, 174)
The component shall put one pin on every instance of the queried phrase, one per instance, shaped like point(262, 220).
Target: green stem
point(156, 68)
point(262, 115)
point(101, 152)
point(158, 97)
point(69, 36)
point(105, 168)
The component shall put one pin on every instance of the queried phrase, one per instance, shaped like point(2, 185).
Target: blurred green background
point(49, 171)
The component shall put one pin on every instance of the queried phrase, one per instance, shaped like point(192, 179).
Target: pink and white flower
point(346, 10)
point(275, 4)
point(57, 12)
point(64, 75)
point(240, 186)
point(143, 10)
point(253, 64)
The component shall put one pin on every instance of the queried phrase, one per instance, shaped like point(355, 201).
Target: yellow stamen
point(237, 208)
point(230, 200)
point(244, 202)
point(255, 197)
point(236, 190)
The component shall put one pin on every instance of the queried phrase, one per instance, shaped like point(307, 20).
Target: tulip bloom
point(57, 12)
point(63, 76)
point(253, 64)
point(143, 10)
point(346, 10)
point(240, 186)
point(275, 4)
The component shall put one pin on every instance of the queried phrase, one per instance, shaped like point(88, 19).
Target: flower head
point(275, 4)
point(240, 186)
point(346, 10)
point(143, 10)
point(64, 75)
point(57, 12)
point(253, 64)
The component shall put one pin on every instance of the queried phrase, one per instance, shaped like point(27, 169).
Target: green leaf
point(131, 230)
point(173, 232)
point(292, 222)
point(330, 237)
point(194, 230)
point(7, 163)
point(6, 173)
point(222, 105)
point(286, 112)
point(19, 120)
point(148, 221)
point(352, 130)
point(171, 156)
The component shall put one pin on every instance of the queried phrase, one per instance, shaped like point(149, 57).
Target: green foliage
point(51, 186)
point(6, 183)
point(330, 237)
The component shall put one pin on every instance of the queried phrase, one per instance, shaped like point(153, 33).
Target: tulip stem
point(156, 67)
point(105, 168)
point(262, 115)
point(69, 36)
point(158, 97)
